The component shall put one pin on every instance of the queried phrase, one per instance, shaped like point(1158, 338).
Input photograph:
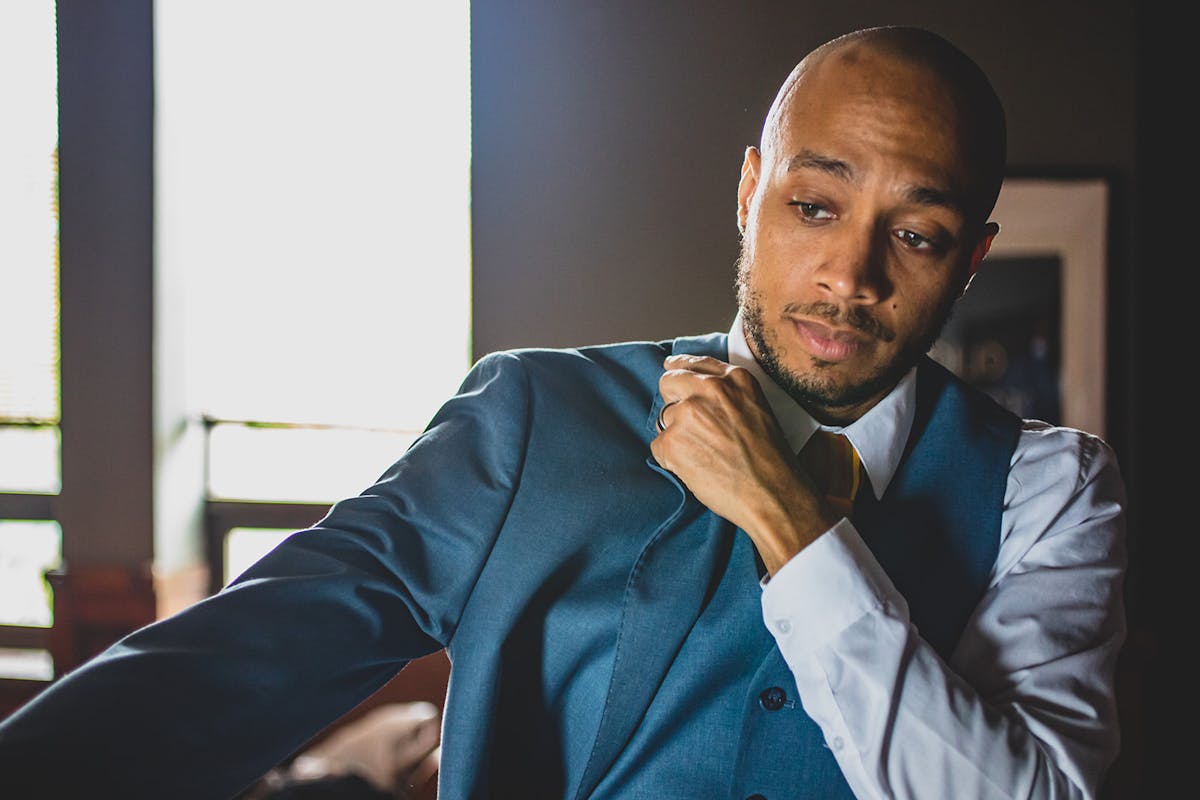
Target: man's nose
point(853, 268)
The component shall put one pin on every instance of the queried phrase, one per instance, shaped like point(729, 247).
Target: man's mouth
point(829, 344)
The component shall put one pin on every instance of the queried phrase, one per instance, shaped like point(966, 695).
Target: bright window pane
point(297, 464)
point(27, 550)
point(25, 664)
point(313, 190)
point(28, 213)
point(29, 460)
point(244, 546)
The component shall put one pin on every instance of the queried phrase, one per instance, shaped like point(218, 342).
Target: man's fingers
point(703, 364)
point(382, 745)
point(689, 376)
point(424, 772)
point(681, 373)
point(714, 383)
point(413, 744)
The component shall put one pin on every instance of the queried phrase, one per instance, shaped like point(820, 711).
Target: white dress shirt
point(1025, 706)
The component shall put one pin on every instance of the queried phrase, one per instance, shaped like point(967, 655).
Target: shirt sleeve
point(1025, 707)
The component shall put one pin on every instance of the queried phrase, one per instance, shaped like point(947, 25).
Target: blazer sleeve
point(201, 704)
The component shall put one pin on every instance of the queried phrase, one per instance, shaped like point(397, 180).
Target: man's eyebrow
point(807, 159)
point(919, 195)
point(933, 196)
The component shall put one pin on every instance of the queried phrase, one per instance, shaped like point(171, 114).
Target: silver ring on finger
point(662, 423)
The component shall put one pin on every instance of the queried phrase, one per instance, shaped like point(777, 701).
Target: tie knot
point(834, 466)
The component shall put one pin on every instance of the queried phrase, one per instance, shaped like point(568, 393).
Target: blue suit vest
point(728, 706)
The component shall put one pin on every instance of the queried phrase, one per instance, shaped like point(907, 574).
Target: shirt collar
point(878, 435)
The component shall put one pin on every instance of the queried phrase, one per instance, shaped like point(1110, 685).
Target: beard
point(818, 388)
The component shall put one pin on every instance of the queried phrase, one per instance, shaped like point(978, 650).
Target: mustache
point(854, 317)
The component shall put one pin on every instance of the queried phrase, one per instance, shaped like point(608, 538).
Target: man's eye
point(916, 240)
point(812, 210)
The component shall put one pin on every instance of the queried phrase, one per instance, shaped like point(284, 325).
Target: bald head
point(922, 69)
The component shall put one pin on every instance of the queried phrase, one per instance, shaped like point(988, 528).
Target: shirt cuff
point(825, 588)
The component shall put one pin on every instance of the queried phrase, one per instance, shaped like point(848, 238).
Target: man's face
point(856, 241)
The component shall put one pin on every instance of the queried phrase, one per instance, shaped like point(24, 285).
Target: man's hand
point(719, 437)
point(395, 747)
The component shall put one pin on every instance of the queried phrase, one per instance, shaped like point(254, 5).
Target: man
point(625, 552)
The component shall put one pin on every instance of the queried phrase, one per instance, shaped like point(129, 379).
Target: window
point(310, 291)
point(312, 213)
point(30, 473)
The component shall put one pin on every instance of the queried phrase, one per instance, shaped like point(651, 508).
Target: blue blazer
point(528, 532)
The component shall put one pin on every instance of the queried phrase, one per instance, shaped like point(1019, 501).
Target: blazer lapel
point(672, 579)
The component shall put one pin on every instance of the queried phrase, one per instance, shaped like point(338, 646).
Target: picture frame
point(1048, 275)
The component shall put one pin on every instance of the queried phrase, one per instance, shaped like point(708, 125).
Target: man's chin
point(826, 394)
point(821, 384)
point(833, 386)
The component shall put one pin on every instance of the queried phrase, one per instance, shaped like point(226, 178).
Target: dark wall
point(607, 141)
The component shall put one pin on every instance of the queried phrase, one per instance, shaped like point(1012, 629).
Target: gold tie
point(835, 467)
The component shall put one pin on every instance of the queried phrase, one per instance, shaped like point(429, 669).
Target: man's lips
point(829, 344)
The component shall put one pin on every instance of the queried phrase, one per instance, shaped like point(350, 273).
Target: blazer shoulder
point(640, 360)
point(617, 375)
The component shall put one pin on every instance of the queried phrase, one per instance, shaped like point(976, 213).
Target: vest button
point(772, 699)
point(756, 797)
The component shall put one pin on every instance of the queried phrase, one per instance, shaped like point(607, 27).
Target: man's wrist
point(785, 523)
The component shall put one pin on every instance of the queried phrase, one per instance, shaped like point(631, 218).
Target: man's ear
point(746, 186)
point(981, 249)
